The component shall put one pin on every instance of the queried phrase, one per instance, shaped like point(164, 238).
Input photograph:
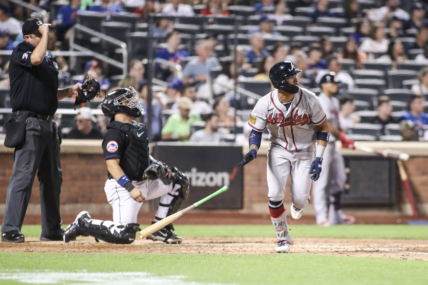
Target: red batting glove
point(346, 143)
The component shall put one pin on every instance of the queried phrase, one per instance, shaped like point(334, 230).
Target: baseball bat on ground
point(403, 175)
point(164, 222)
point(385, 153)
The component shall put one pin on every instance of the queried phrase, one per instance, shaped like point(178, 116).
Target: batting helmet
point(124, 100)
point(329, 78)
point(280, 72)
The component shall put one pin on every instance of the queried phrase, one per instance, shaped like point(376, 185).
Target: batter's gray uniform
point(293, 139)
point(333, 176)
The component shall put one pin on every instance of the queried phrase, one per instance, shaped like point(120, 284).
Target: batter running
point(296, 121)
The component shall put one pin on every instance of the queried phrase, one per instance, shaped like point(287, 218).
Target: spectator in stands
point(5, 42)
point(222, 107)
point(264, 67)
point(362, 29)
point(62, 63)
point(421, 39)
point(408, 131)
point(384, 113)
point(315, 61)
point(227, 76)
point(176, 8)
point(347, 117)
point(423, 58)
point(421, 88)
point(84, 128)
point(198, 70)
point(257, 51)
point(136, 69)
point(294, 48)
point(178, 126)
point(334, 65)
point(326, 46)
point(265, 27)
point(417, 19)
point(212, 43)
point(7, 23)
point(377, 43)
point(321, 10)
point(279, 14)
point(394, 54)
point(391, 9)
point(163, 27)
point(351, 9)
point(171, 53)
point(279, 52)
point(199, 106)
point(350, 51)
point(215, 8)
point(94, 70)
point(416, 113)
point(264, 6)
point(106, 6)
point(210, 133)
point(300, 60)
point(299, 3)
point(172, 93)
point(147, 7)
point(66, 18)
point(395, 26)
point(128, 81)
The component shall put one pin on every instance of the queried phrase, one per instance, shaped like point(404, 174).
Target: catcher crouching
point(133, 177)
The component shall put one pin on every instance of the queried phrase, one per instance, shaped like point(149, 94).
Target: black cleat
point(13, 236)
point(166, 235)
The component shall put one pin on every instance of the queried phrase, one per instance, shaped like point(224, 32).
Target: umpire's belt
point(18, 115)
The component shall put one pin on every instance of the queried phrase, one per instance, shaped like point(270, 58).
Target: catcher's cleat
point(295, 212)
point(166, 235)
point(74, 230)
point(283, 246)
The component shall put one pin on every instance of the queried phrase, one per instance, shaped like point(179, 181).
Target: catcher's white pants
point(125, 208)
point(282, 163)
point(332, 176)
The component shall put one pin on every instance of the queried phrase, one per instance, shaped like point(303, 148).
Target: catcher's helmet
point(281, 71)
point(124, 100)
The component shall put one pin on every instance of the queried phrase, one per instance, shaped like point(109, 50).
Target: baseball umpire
point(34, 97)
point(133, 177)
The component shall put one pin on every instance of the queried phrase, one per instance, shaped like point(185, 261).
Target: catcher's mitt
point(90, 89)
point(158, 170)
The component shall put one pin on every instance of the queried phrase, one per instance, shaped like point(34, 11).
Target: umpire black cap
point(329, 78)
point(31, 26)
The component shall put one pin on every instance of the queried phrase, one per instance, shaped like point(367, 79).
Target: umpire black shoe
point(166, 235)
point(59, 236)
point(12, 236)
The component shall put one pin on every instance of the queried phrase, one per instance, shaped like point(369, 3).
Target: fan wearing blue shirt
point(105, 6)
point(66, 16)
point(416, 114)
point(321, 10)
point(257, 51)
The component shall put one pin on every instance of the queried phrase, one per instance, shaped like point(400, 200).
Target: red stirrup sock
point(276, 209)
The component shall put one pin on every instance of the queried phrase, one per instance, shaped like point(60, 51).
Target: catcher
point(133, 177)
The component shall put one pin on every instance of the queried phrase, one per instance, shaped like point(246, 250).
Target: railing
point(32, 8)
point(241, 91)
point(177, 67)
point(123, 46)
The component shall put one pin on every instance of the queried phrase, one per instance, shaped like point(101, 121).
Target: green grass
point(237, 269)
point(351, 231)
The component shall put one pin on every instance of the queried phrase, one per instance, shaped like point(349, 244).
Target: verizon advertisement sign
point(209, 167)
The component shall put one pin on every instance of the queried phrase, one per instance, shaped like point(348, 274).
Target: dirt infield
point(381, 248)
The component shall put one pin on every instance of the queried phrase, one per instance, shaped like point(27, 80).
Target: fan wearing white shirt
point(377, 41)
point(7, 23)
point(347, 118)
point(334, 65)
point(391, 9)
point(176, 8)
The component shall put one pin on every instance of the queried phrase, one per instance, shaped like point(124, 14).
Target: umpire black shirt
point(33, 88)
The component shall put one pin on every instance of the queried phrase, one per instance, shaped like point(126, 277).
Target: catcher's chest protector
point(136, 156)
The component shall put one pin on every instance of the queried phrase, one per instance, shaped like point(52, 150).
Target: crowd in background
point(199, 97)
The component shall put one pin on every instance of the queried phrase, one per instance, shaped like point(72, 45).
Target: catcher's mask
point(123, 100)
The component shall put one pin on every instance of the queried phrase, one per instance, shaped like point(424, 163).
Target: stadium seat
point(407, 40)
point(396, 77)
point(348, 65)
point(336, 11)
point(260, 87)
point(391, 138)
point(116, 30)
point(225, 20)
point(227, 138)
point(242, 39)
point(244, 114)
point(332, 22)
point(392, 129)
point(253, 20)
point(373, 65)
point(368, 74)
point(366, 129)
point(187, 29)
point(398, 106)
point(142, 27)
point(91, 20)
point(298, 21)
point(346, 31)
point(414, 52)
point(317, 91)
point(130, 9)
point(401, 95)
point(198, 8)
point(366, 116)
point(289, 31)
point(337, 42)
point(359, 137)
point(377, 84)
point(137, 45)
point(252, 72)
point(196, 127)
point(362, 105)
point(367, 95)
point(303, 11)
point(367, 4)
point(219, 29)
point(409, 83)
point(246, 28)
point(410, 65)
point(306, 40)
point(200, 21)
point(244, 11)
point(320, 31)
point(269, 41)
point(132, 19)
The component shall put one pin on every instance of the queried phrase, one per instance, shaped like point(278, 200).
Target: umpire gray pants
point(39, 152)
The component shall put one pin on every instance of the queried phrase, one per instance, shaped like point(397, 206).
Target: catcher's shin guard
point(108, 231)
point(181, 179)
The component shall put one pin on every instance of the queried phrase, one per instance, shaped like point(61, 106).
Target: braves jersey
point(331, 108)
point(293, 129)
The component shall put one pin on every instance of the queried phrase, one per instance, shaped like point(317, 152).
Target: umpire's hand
point(137, 195)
